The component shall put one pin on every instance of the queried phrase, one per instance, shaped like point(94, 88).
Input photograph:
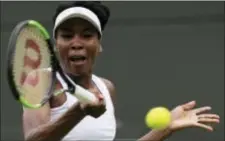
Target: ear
point(99, 50)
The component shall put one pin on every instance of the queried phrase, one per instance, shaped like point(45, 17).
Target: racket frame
point(10, 62)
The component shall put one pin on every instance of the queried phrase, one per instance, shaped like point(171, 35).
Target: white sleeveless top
point(102, 128)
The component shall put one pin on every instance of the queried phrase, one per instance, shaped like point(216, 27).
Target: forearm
point(55, 131)
point(156, 135)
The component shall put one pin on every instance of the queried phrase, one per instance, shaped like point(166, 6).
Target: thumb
point(189, 105)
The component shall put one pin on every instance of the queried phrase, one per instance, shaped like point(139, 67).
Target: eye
point(87, 34)
point(67, 35)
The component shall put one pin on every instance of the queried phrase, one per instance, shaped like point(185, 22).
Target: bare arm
point(193, 118)
point(37, 126)
point(154, 135)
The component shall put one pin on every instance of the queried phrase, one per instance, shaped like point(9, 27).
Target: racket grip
point(85, 96)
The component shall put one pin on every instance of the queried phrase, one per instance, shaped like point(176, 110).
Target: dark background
point(156, 53)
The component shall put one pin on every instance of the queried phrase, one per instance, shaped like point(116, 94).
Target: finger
point(189, 105)
point(207, 127)
point(209, 116)
point(202, 109)
point(101, 103)
point(83, 105)
point(208, 120)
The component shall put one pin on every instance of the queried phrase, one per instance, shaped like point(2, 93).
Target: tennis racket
point(33, 66)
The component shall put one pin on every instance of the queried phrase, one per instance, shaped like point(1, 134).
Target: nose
point(76, 47)
point(77, 43)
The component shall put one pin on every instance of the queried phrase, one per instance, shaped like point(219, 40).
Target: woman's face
point(77, 42)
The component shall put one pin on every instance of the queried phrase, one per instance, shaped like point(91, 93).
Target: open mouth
point(77, 59)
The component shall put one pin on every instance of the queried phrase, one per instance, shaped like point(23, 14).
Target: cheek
point(94, 47)
point(61, 51)
point(61, 43)
point(93, 51)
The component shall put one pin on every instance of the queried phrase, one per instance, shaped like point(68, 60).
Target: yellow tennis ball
point(158, 118)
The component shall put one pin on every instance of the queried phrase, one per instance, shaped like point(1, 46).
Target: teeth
point(74, 58)
point(78, 57)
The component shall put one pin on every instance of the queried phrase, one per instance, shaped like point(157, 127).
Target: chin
point(80, 72)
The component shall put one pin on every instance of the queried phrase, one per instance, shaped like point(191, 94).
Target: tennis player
point(77, 31)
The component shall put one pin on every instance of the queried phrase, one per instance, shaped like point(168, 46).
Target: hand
point(184, 116)
point(94, 110)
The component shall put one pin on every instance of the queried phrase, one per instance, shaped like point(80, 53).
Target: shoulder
point(111, 87)
point(109, 84)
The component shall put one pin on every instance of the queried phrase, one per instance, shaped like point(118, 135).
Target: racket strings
point(31, 48)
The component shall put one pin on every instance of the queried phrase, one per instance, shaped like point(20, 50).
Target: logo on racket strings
point(31, 63)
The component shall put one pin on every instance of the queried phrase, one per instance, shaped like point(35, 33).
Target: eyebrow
point(66, 29)
point(90, 29)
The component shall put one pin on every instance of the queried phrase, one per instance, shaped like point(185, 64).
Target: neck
point(82, 80)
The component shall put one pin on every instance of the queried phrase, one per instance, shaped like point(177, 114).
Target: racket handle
point(85, 96)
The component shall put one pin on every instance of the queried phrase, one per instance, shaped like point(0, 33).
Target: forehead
point(76, 23)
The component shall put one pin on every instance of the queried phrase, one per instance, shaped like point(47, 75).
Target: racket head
point(29, 62)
